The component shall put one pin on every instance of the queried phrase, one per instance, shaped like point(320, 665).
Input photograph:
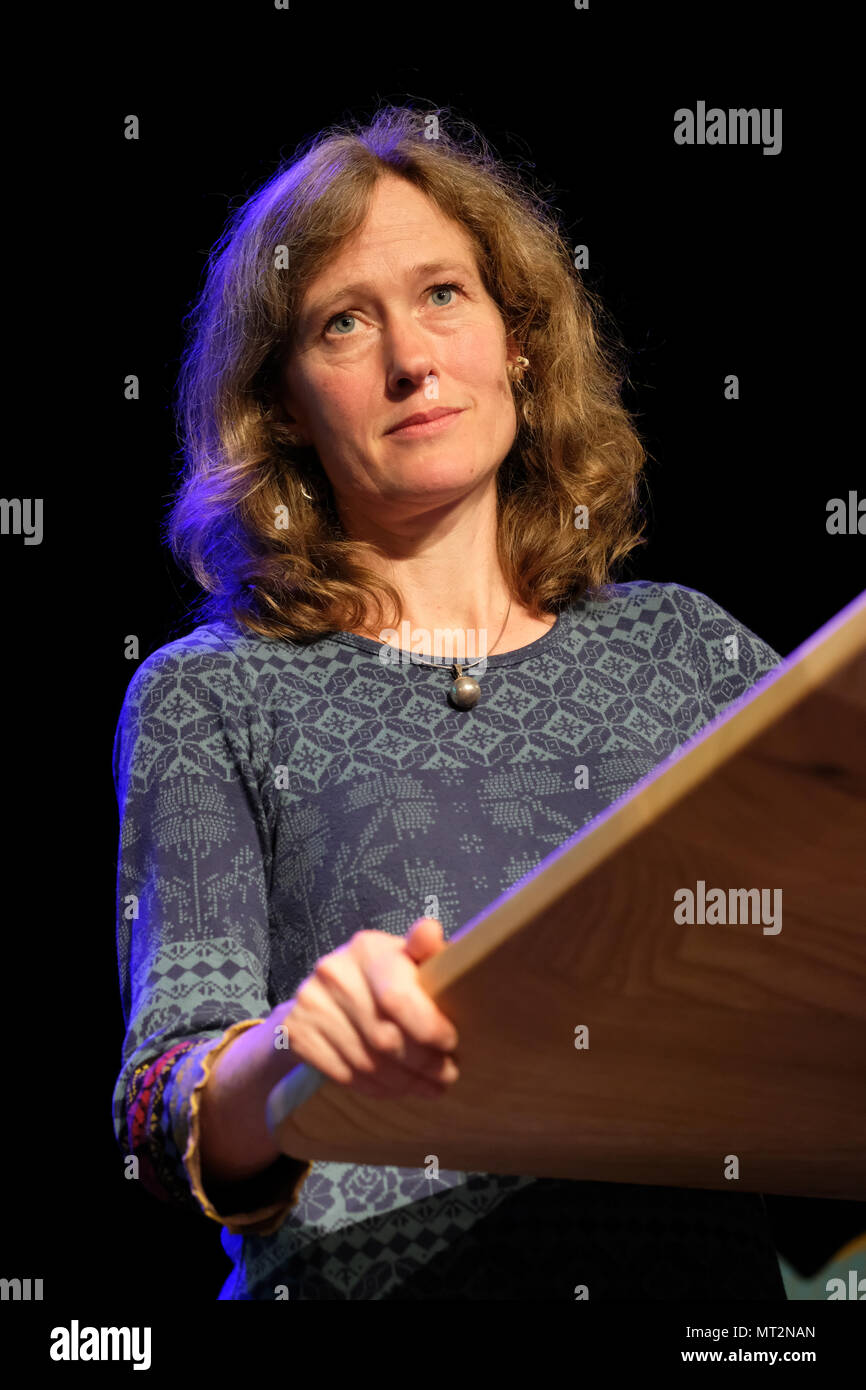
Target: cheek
point(337, 400)
point(478, 358)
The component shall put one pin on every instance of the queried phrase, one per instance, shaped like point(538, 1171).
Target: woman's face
point(396, 342)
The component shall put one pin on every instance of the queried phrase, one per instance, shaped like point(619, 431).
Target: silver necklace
point(465, 691)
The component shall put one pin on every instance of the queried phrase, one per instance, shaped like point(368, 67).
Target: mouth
point(425, 427)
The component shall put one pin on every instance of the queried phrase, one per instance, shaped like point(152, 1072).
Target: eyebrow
point(359, 287)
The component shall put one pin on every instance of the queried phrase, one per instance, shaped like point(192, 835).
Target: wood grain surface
point(712, 1047)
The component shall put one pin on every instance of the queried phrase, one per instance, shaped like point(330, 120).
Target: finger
point(368, 1038)
point(344, 973)
point(320, 1035)
point(398, 995)
point(346, 1059)
point(425, 940)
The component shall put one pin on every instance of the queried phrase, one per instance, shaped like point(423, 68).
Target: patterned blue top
point(277, 797)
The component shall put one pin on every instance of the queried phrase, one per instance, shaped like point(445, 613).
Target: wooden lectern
point(604, 1037)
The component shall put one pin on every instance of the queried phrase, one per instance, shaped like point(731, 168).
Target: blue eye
point(345, 314)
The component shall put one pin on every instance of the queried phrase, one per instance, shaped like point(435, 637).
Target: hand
point(363, 1020)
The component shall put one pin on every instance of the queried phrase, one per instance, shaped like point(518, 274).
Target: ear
point(280, 410)
point(512, 350)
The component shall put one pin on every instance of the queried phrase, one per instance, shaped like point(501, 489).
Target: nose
point(410, 360)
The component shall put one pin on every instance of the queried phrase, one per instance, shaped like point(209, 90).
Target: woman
point(312, 800)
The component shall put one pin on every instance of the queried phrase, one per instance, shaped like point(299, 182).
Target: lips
point(423, 417)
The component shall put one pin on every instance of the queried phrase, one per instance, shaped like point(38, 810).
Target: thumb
point(425, 938)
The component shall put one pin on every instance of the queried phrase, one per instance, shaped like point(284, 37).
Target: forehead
point(402, 225)
point(397, 206)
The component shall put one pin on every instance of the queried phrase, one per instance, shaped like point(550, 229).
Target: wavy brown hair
point(575, 441)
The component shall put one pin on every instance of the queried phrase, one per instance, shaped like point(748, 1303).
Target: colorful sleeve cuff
point(254, 1206)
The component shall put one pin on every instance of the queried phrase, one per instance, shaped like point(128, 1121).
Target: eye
point(345, 314)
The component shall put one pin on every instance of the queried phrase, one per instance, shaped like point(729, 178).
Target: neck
point(445, 565)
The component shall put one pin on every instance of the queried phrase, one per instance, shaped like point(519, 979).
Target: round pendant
point(465, 692)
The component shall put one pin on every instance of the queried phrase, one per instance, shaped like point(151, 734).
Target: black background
point(711, 261)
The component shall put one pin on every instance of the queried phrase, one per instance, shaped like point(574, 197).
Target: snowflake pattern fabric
point(277, 797)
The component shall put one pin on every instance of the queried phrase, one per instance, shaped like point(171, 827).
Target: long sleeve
point(193, 931)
